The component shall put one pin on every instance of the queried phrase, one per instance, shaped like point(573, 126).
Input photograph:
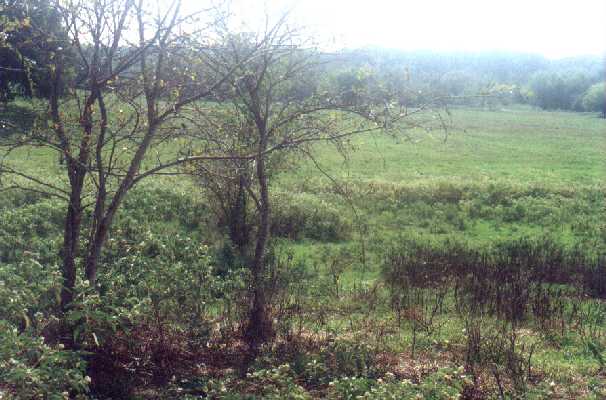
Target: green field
point(495, 180)
point(514, 146)
point(493, 174)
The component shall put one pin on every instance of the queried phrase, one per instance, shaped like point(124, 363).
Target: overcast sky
point(555, 28)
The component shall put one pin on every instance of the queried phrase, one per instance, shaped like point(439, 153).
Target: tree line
point(571, 83)
point(483, 78)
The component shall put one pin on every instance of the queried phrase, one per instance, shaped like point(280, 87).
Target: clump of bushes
point(518, 264)
point(495, 290)
point(285, 382)
point(31, 231)
point(298, 216)
point(33, 364)
point(159, 203)
point(265, 383)
point(31, 368)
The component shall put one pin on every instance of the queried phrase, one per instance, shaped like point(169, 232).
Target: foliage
point(33, 369)
point(272, 384)
point(298, 216)
point(559, 91)
point(468, 78)
point(594, 98)
point(33, 39)
point(350, 388)
point(444, 384)
point(28, 294)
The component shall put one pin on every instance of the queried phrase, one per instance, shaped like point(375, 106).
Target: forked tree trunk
point(73, 215)
point(104, 217)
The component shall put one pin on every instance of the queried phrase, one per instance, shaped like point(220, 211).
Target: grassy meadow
point(493, 175)
point(396, 269)
point(518, 145)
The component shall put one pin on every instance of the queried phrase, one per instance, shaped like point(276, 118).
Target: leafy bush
point(31, 231)
point(276, 383)
point(444, 384)
point(271, 384)
point(304, 216)
point(349, 388)
point(507, 279)
point(345, 358)
point(558, 91)
point(29, 293)
point(316, 372)
point(32, 363)
point(501, 350)
point(594, 277)
point(594, 98)
point(32, 369)
point(158, 202)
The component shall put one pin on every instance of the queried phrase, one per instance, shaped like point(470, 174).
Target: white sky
point(555, 28)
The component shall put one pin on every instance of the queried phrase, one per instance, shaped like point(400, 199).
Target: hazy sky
point(555, 28)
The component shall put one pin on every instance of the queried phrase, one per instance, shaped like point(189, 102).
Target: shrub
point(349, 388)
point(389, 389)
point(594, 277)
point(156, 300)
point(594, 98)
point(443, 384)
point(315, 372)
point(275, 384)
point(508, 279)
point(348, 358)
point(558, 91)
point(31, 231)
point(32, 369)
point(501, 350)
point(29, 293)
point(306, 216)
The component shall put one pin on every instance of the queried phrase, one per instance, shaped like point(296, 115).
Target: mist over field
point(302, 200)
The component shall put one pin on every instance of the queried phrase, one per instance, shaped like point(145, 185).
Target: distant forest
point(488, 78)
point(485, 79)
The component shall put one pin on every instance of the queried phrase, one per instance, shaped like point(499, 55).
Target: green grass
point(522, 146)
point(498, 174)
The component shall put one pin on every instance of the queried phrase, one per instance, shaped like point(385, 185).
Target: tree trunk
point(103, 220)
point(73, 216)
point(237, 221)
point(260, 329)
point(69, 251)
point(96, 244)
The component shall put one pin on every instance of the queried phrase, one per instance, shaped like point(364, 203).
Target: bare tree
point(124, 99)
point(277, 108)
